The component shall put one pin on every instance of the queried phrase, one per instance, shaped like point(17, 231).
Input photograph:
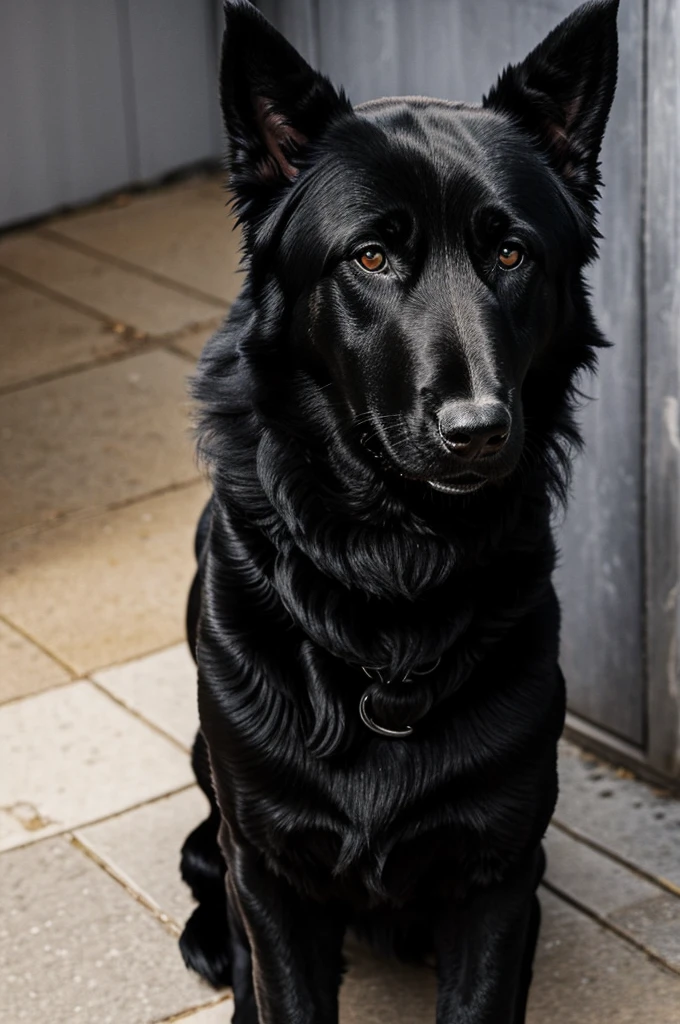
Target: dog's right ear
point(274, 105)
point(561, 94)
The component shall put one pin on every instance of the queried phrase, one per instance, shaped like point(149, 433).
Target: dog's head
point(424, 256)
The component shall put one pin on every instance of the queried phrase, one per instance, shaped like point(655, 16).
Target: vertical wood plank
point(663, 384)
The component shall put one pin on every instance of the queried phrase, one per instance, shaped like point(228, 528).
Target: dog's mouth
point(460, 483)
point(463, 483)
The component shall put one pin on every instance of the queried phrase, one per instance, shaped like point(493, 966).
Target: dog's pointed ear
point(274, 104)
point(562, 93)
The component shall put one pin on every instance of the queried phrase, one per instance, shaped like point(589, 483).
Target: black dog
point(388, 418)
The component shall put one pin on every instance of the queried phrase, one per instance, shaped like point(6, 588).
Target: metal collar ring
point(380, 729)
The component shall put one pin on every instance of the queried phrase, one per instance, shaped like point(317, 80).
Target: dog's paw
point(204, 945)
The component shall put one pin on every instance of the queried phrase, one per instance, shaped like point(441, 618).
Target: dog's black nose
point(474, 430)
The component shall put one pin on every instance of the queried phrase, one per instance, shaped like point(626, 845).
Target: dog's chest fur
point(338, 811)
point(387, 818)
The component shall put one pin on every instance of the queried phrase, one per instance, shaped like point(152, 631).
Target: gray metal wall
point(454, 49)
point(100, 93)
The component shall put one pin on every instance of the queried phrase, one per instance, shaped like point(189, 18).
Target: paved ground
point(101, 317)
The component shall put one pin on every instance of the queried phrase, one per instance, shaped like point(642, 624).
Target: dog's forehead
point(417, 145)
point(447, 157)
point(430, 119)
point(386, 103)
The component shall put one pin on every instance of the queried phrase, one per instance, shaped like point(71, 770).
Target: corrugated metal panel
point(62, 126)
point(100, 93)
point(174, 78)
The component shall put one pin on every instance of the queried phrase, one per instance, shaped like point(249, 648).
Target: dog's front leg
point(485, 951)
point(289, 948)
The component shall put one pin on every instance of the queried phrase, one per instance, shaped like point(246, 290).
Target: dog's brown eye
point(510, 257)
point(372, 259)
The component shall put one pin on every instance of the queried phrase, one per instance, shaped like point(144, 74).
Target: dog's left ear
point(562, 93)
point(274, 105)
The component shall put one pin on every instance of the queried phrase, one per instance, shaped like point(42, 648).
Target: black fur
point(351, 528)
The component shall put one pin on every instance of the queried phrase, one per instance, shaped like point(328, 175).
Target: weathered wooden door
point(454, 49)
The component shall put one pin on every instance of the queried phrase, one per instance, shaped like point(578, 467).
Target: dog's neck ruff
point(363, 587)
point(366, 573)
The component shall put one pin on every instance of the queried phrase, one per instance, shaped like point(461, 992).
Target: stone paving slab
point(71, 756)
point(222, 1013)
point(586, 975)
point(591, 878)
point(633, 820)
point(161, 687)
point(118, 295)
point(107, 588)
point(185, 233)
point(105, 435)
point(25, 668)
point(39, 336)
point(143, 847)
point(74, 946)
point(615, 893)
point(656, 923)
